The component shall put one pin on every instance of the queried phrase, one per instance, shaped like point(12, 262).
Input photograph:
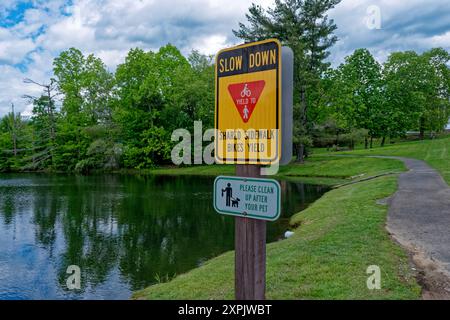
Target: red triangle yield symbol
point(245, 96)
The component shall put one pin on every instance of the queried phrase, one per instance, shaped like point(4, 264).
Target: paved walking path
point(419, 212)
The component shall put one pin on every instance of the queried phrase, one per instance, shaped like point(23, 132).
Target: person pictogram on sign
point(229, 194)
point(246, 112)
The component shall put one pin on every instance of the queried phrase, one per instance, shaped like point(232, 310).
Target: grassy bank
point(320, 169)
point(343, 168)
point(435, 152)
point(339, 237)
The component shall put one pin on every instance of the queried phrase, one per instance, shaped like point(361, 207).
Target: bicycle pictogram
point(246, 92)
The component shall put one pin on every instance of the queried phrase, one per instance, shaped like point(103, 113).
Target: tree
point(137, 80)
point(193, 99)
point(44, 143)
point(69, 70)
point(87, 86)
point(418, 86)
point(14, 137)
point(359, 87)
point(404, 99)
point(203, 87)
point(157, 93)
point(138, 103)
point(13, 129)
point(436, 91)
point(304, 26)
point(98, 84)
point(44, 124)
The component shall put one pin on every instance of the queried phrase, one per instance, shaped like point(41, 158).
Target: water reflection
point(124, 232)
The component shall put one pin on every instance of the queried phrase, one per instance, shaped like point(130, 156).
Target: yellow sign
point(248, 103)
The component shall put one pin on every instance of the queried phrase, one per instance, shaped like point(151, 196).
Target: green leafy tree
point(193, 97)
point(417, 87)
point(138, 101)
point(87, 89)
point(69, 69)
point(404, 99)
point(14, 141)
point(154, 148)
point(436, 90)
point(156, 93)
point(359, 85)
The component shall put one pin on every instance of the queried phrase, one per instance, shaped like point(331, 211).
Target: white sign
point(248, 197)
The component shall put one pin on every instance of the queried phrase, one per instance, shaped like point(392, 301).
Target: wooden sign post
point(250, 250)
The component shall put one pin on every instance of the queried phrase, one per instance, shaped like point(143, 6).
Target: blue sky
point(33, 32)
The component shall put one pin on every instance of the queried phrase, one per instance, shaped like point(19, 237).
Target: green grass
point(435, 152)
point(344, 168)
point(339, 236)
point(199, 170)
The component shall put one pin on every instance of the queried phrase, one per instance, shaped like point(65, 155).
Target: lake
point(125, 232)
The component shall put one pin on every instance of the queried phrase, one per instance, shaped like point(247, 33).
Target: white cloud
point(11, 86)
point(442, 40)
point(210, 45)
point(13, 49)
point(112, 58)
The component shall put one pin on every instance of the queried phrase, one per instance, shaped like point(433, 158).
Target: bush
point(154, 149)
point(336, 138)
point(101, 155)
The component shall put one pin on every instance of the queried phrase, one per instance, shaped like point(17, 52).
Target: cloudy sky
point(33, 32)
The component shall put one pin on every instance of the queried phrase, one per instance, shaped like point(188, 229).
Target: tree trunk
point(371, 142)
point(422, 128)
point(300, 153)
point(14, 145)
point(383, 141)
point(337, 141)
point(366, 143)
point(14, 137)
point(52, 125)
point(303, 122)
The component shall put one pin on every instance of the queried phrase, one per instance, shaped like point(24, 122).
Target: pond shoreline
point(200, 170)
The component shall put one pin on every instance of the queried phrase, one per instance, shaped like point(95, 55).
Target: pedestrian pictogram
point(245, 97)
